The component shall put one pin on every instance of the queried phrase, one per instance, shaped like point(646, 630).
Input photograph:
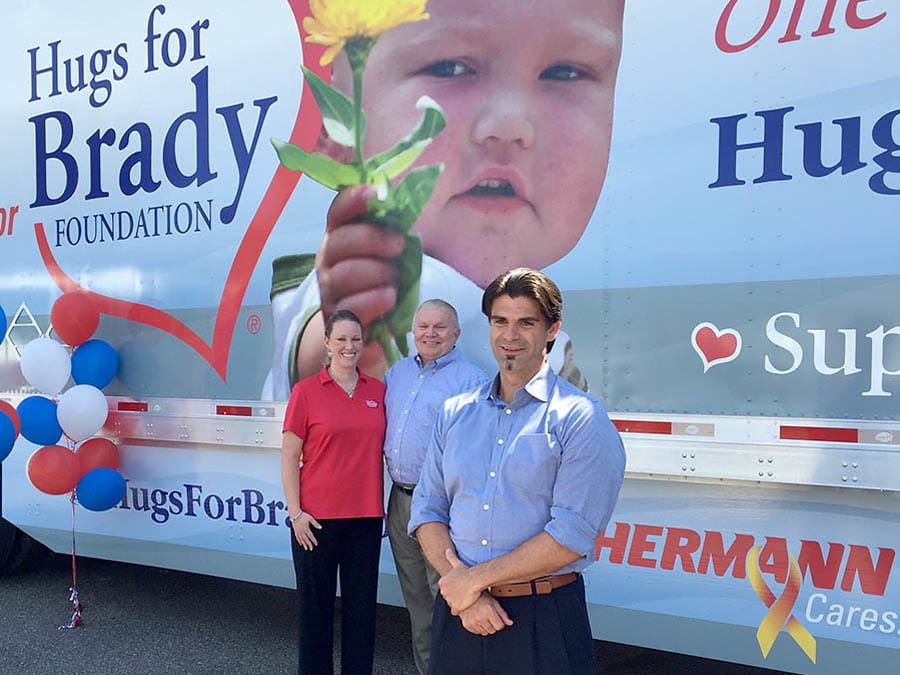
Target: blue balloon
point(94, 362)
point(37, 415)
point(7, 436)
point(100, 489)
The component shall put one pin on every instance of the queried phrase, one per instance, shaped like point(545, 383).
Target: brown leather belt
point(539, 586)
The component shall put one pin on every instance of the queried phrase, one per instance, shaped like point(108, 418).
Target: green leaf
point(397, 159)
point(336, 109)
point(411, 195)
point(402, 344)
point(321, 168)
point(410, 268)
point(399, 162)
point(390, 331)
point(378, 331)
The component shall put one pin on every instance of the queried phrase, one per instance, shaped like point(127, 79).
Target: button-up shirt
point(498, 474)
point(415, 394)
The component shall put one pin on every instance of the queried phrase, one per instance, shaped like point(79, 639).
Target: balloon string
point(74, 569)
point(75, 621)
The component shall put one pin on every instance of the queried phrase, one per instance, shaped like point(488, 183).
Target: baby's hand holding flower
point(354, 26)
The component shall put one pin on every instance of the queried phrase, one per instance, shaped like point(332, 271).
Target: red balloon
point(97, 453)
point(54, 470)
point(74, 317)
point(12, 413)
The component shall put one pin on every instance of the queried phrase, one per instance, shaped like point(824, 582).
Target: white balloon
point(82, 411)
point(46, 365)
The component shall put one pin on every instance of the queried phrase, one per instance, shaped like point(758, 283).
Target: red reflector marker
point(240, 410)
point(132, 406)
point(830, 434)
point(643, 427)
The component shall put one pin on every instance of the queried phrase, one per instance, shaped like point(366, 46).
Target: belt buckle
point(542, 586)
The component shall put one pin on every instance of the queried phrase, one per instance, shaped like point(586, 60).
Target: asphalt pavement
point(143, 620)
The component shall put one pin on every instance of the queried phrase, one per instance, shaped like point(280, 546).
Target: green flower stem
point(399, 204)
point(358, 50)
point(380, 332)
point(357, 112)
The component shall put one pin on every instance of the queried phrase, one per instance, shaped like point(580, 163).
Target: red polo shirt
point(343, 472)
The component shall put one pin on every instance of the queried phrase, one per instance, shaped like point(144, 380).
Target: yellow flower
point(333, 22)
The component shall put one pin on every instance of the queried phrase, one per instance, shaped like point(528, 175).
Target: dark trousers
point(550, 635)
point(349, 547)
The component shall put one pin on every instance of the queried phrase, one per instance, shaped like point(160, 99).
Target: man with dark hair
point(520, 478)
point(522, 282)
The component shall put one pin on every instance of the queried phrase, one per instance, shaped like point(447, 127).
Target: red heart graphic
point(304, 133)
point(715, 346)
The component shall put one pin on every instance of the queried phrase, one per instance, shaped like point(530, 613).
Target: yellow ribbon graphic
point(779, 609)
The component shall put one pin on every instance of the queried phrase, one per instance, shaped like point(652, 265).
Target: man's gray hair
point(437, 303)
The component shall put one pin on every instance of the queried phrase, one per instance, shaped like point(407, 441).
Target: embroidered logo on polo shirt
point(371, 403)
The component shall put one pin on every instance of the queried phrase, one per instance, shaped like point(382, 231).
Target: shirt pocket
point(532, 463)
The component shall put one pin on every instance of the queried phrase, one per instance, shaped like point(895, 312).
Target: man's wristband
point(297, 517)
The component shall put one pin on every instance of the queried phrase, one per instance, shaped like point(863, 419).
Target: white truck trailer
point(733, 302)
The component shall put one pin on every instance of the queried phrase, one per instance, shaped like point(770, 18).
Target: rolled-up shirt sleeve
point(430, 502)
point(588, 480)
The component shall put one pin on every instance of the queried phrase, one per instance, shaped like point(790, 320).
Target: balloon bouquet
point(72, 458)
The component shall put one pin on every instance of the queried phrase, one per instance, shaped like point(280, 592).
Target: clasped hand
point(479, 611)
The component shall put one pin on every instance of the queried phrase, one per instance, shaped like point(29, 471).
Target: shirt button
point(499, 441)
point(486, 507)
point(493, 474)
point(508, 411)
point(484, 542)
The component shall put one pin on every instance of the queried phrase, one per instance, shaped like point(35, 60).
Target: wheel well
point(18, 551)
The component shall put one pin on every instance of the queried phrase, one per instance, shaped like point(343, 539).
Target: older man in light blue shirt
point(521, 477)
point(417, 387)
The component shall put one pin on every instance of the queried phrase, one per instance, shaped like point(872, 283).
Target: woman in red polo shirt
point(335, 421)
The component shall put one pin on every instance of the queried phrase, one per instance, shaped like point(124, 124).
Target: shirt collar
point(439, 362)
point(538, 387)
point(324, 375)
